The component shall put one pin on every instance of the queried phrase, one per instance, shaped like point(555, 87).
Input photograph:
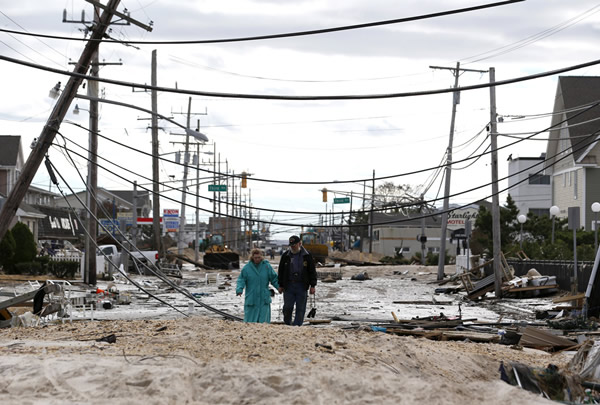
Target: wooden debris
point(543, 339)
point(432, 302)
point(440, 334)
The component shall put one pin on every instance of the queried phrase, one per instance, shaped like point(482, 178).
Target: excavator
point(218, 256)
point(310, 241)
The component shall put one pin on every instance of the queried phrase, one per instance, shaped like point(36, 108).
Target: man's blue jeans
point(296, 294)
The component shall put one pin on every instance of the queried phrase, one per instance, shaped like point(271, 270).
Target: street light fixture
point(522, 219)
point(54, 91)
point(554, 211)
point(196, 134)
point(595, 209)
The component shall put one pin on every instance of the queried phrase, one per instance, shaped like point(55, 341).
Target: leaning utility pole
point(495, 197)
point(52, 126)
point(455, 101)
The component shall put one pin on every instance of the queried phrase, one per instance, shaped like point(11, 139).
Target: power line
point(401, 206)
point(302, 98)
point(355, 180)
point(293, 34)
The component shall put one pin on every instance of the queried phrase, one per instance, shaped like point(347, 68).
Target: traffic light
point(324, 195)
point(244, 176)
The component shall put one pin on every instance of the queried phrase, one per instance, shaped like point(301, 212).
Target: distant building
point(529, 186)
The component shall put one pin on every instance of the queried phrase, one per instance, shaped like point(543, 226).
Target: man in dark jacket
point(297, 276)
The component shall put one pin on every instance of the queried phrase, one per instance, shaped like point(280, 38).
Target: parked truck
point(106, 252)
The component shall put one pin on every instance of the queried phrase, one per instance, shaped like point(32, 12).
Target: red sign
point(147, 221)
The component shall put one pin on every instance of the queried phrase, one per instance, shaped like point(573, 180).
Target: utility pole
point(371, 215)
point(186, 161)
point(423, 237)
point(180, 244)
point(495, 197)
point(155, 163)
point(455, 101)
point(214, 213)
point(58, 113)
point(92, 178)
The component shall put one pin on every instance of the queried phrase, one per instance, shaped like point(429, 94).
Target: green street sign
point(217, 187)
point(344, 200)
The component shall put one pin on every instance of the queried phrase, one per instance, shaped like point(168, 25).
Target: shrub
point(33, 268)
point(7, 250)
point(26, 249)
point(63, 269)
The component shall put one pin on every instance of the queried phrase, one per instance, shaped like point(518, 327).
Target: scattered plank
point(532, 288)
point(432, 302)
point(539, 338)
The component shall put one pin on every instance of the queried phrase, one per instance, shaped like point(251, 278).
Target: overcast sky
point(305, 140)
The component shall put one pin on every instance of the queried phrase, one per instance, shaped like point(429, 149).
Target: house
point(11, 162)
point(529, 186)
point(573, 153)
point(39, 196)
point(11, 165)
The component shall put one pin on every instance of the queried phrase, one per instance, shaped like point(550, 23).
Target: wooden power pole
point(455, 101)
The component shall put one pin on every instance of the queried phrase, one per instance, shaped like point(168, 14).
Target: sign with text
point(171, 224)
point(125, 217)
point(171, 212)
point(343, 200)
point(171, 219)
point(217, 187)
point(458, 218)
point(110, 225)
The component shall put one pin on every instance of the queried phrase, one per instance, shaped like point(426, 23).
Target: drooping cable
point(293, 34)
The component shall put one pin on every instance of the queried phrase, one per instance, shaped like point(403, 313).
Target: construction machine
point(311, 242)
point(218, 256)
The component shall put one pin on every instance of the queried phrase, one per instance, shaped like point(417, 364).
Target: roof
point(127, 195)
point(576, 91)
point(9, 150)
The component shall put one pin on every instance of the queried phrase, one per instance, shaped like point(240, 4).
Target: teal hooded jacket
point(255, 280)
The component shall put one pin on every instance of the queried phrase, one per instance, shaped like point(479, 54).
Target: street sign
point(343, 200)
point(217, 187)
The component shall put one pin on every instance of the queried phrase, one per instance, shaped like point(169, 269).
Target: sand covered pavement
point(206, 360)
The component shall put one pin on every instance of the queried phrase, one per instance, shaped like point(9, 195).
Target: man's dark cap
point(294, 239)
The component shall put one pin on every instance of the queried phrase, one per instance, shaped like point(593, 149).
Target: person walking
point(297, 276)
point(255, 278)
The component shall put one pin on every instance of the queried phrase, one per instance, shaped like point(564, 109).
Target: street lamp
point(554, 211)
point(522, 219)
point(196, 134)
point(596, 209)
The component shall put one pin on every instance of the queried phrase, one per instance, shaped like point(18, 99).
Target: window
point(539, 179)
point(405, 249)
point(540, 212)
point(375, 235)
point(574, 185)
point(433, 249)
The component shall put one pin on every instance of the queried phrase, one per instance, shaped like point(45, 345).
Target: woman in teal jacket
point(255, 278)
